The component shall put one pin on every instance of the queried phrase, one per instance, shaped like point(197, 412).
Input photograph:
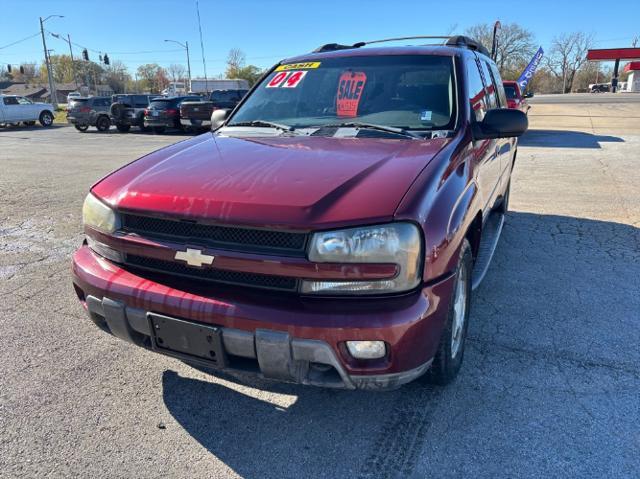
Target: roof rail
point(452, 41)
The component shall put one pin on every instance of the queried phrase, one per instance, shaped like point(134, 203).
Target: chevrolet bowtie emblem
point(194, 257)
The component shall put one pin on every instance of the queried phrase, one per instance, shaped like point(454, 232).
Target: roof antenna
point(494, 43)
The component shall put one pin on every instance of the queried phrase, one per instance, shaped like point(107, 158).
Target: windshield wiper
point(264, 123)
point(371, 126)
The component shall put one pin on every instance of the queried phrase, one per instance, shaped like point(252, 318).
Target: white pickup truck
point(18, 109)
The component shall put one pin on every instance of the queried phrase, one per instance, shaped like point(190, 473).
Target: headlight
point(397, 243)
point(98, 215)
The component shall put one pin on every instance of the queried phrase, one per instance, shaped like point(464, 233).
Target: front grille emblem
point(194, 257)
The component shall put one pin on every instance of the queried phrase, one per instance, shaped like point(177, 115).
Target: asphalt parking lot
point(551, 381)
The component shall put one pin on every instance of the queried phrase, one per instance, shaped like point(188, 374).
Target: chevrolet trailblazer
point(330, 231)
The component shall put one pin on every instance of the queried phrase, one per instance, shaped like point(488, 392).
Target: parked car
point(515, 98)
point(93, 111)
point(600, 87)
point(329, 231)
point(128, 110)
point(73, 95)
point(18, 109)
point(164, 113)
point(197, 114)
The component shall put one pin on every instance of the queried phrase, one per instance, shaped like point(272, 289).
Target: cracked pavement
point(550, 386)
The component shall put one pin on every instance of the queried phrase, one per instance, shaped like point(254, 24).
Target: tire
point(82, 128)
point(123, 128)
point(158, 129)
point(46, 118)
point(448, 359)
point(103, 123)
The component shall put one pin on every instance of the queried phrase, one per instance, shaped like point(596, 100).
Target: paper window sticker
point(278, 79)
point(350, 87)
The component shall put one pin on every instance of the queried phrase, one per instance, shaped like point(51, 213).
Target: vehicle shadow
point(284, 430)
point(37, 126)
point(564, 139)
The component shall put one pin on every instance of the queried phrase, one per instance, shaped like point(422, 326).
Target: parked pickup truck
point(18, 109)
point(197, 114)
point(329, 232)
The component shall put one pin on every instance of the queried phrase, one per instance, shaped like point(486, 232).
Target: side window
point(141, 101)
point(497, 81)
point(492, 96)
point(24, 101)
point(476, 90)
point(10, 100)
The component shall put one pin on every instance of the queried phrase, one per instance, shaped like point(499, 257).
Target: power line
point(20, 41)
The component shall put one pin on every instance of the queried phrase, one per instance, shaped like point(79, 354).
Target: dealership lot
point(549, 385)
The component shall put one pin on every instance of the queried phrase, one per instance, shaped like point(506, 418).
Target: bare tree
point(516, 44)
point(176, 72)
point(235, 60)
point(567, 55)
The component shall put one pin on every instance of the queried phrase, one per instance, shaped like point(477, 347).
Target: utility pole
point(204, 63)
point(54, 96)
point(188, 66)
point(186, 47)
point(73, 65)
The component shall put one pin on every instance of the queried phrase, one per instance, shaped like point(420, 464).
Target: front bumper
point(284, 338)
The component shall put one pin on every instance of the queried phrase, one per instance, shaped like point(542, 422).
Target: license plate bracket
point(187, 340)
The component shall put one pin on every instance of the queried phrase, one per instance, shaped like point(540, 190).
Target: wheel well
point(474, 234)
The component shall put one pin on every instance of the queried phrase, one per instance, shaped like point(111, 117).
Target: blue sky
point(268, 30)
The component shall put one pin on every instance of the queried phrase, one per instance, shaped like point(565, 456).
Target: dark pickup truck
point(197, 114)
point(330, 231)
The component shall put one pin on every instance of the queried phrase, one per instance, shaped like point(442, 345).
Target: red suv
point(515, 98)
point(329, 232)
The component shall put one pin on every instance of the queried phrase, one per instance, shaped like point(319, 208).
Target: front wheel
point(46, 118)
point(103, 123)
point(448, 358)
point(82, 128)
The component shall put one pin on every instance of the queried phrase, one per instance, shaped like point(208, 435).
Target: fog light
point(366, 349)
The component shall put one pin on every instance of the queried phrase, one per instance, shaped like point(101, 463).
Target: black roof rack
point(451, 41)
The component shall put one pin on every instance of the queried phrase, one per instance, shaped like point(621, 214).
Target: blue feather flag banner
point(528, 72)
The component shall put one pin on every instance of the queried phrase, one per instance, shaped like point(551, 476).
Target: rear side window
point(497, 81)
point(492, 93)
point(101, 102)
point(140, 101)
point(476, 90)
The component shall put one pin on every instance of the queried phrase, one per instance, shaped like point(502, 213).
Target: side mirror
point(501, 123)
point(218, 117)
point(529, 94)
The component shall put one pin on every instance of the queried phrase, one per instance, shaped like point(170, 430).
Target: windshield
point(410, 92)
point(511, 92)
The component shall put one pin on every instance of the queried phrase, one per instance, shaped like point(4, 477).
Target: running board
point(488, 242)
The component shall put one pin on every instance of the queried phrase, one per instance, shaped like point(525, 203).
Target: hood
point(296, 182)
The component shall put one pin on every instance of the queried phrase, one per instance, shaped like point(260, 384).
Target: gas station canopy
point(615, 55)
